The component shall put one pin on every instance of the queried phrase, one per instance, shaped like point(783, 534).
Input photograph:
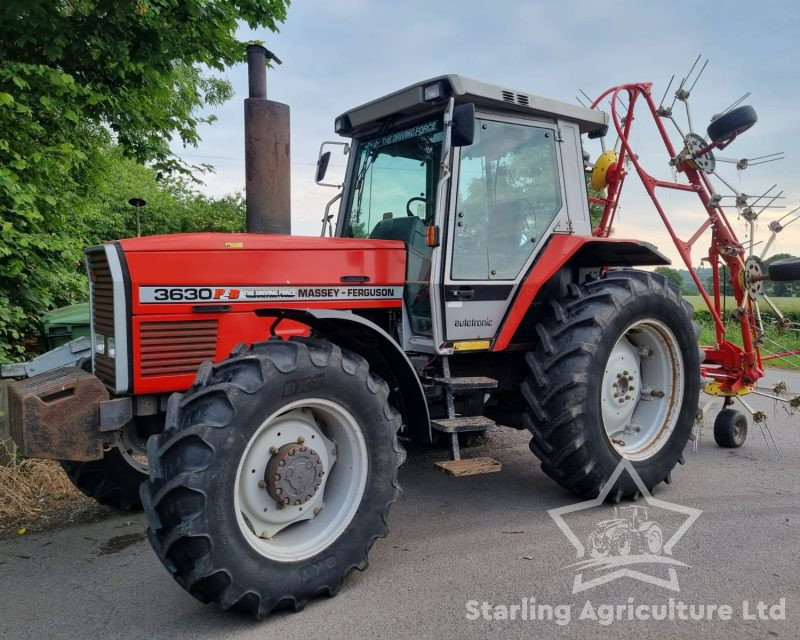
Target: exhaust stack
point(266, 151)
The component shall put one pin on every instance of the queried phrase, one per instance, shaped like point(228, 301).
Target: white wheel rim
point(298, 531)
point(642, 390)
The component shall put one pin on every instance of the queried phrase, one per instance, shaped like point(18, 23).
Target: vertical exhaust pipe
point(266, 151)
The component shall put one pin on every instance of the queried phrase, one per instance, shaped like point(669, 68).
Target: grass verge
point(36, 495)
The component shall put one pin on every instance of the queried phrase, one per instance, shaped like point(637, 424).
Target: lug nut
point(286, 501)
point(627, 397)
point(273, 450)
point(301, 440)
point(262, 484)
point(616, 395)
point(317, 510)
point(624, 373)
point(621, 400)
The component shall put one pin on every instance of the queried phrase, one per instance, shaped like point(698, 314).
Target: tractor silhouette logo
point(621, 546)
point(628, 532)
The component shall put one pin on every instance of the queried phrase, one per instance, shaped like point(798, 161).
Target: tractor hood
point(187, 273)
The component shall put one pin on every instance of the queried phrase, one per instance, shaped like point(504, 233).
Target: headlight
point(341, 124)
point(104, 346)
point(432, 92)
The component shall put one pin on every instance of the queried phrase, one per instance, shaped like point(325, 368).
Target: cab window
point(509, 192)
point(395, 178)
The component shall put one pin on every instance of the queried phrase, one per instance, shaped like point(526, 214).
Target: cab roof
point(411, 100)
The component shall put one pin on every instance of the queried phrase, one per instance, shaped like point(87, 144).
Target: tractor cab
point(474, 179)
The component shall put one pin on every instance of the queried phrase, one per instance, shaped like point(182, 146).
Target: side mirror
point(463, 132)
point(322, 166)
point(332, 155)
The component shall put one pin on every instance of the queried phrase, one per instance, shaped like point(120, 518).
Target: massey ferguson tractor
point(461, 286)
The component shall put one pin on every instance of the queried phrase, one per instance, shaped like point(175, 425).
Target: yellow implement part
point(471, 345)
point(601, 167)
point(714, 388)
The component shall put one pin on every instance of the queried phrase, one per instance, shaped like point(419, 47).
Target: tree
point(674, 276)
point(81, 75)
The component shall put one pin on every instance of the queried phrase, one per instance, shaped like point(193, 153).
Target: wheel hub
point(642, 389)
point(621, 388)
point(752, 275)
point(694, 145)
point(293, 474)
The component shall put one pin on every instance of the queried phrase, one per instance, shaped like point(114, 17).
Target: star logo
point(630, 539)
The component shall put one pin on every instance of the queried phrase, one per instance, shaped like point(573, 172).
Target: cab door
point(507, 198)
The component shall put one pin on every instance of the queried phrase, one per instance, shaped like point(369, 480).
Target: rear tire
point(730, 428)
point(581, 428)
point(218, 464)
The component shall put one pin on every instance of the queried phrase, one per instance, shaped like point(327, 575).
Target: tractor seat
point(409, 229)
point(505, 238)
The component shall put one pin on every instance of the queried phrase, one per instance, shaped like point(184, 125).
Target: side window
point(509, 191)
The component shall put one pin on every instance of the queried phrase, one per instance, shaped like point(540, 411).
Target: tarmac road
point(453, 540)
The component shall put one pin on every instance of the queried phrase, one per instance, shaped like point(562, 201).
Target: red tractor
point(462, 288)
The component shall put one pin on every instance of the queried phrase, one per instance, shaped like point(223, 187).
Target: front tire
point(274, 476)
point(615, 374)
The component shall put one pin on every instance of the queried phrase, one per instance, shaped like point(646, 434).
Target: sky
point(338, 54)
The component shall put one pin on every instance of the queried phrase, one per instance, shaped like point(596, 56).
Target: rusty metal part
point(266, 152)
point(56, 415)
point(294, 474)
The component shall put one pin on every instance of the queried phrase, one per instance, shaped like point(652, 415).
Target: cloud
point(341, 53)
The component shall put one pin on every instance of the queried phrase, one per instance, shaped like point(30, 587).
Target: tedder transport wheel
point(730, 428)
point(615, 373)
point(114, 480)
point(274, 475)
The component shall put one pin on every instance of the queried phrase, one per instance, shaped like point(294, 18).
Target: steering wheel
point(428, 205)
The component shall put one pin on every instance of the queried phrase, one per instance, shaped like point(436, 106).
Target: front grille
point(176, 348)
point(102, 312)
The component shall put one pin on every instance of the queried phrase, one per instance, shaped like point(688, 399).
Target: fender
point(385, 357)
point(577, 252)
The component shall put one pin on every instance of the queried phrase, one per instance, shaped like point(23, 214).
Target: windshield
point(395, 177)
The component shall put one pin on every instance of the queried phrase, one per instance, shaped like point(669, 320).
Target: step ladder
point(454, 424)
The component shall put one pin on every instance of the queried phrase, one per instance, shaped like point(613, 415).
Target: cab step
point(469, 466)
point(465, 423)
point(467, 383)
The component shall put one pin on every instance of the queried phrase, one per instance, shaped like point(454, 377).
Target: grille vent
point(102, 312)
point(176, 348)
